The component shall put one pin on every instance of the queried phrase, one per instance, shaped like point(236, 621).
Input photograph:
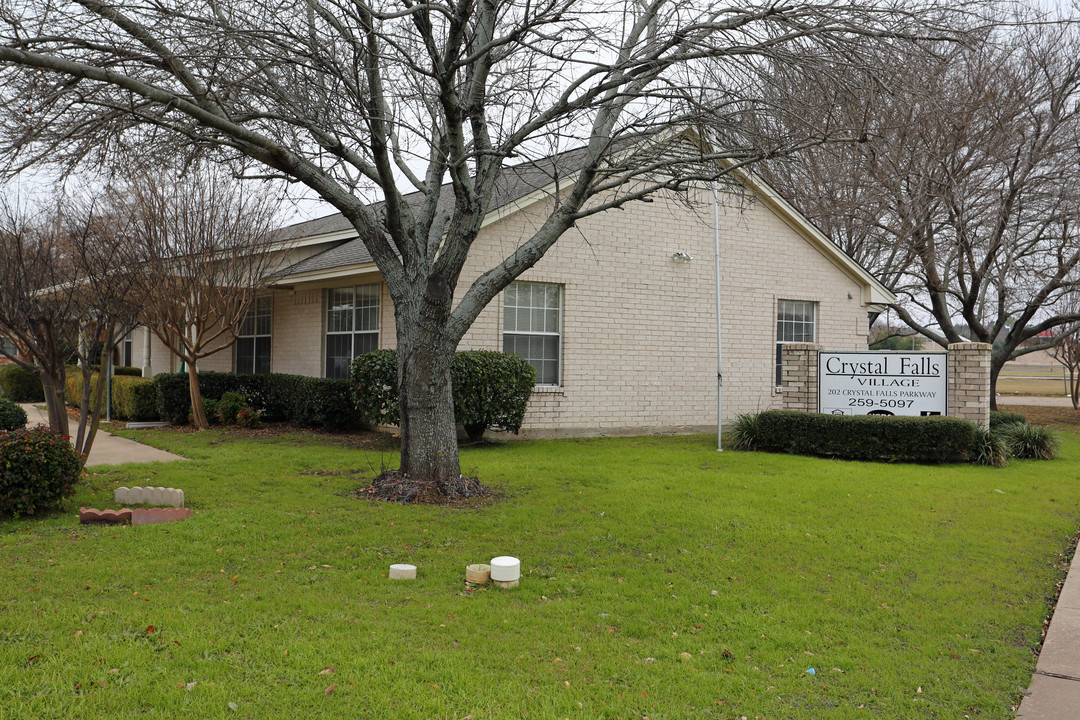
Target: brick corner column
point(969, 382)
point(798, 362)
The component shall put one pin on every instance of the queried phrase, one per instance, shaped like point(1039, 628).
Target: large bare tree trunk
point(429, 449)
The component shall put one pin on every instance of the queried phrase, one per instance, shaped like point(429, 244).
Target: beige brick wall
point(800, 376)
point(639, 338)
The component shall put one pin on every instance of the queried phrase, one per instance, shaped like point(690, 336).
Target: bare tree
point(1067, 352)
point(62, 295)
point(965, 176)
point(33, 260)
point(201, 249)
point(373, 99)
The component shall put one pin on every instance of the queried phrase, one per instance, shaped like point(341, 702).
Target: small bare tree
point(202, 246)
point(38, 310)
point(1067, 352)
point(63, 295)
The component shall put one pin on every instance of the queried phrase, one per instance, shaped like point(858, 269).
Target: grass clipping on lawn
point(396, 486)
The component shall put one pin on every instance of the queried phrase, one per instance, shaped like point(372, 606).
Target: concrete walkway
point(108, 449)
point(1054, 693)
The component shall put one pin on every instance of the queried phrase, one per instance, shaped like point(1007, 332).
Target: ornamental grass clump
point(744, 433)
point(1029, 442)
point(38, 469)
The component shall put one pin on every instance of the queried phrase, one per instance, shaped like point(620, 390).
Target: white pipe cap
point(402, 571)
point(505, 568)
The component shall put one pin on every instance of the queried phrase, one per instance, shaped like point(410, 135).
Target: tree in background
point(380, 100)
point(200, 247)
point(960, 189)
point(1067, 352)
point(63, 292)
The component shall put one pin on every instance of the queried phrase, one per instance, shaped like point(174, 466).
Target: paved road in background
point(1034, 400)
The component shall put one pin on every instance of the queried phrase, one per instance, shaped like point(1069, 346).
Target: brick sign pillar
point(799, 373)
point(969, 382)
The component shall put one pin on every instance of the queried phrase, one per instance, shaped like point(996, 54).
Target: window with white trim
point(352, 326)
point(532, 327)
point(8, 347)
point(253, 342)
point(796, 321)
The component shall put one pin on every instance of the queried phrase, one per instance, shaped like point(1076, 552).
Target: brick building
point(619, 317)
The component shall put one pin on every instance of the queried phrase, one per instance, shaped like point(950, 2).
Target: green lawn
point(660, 579)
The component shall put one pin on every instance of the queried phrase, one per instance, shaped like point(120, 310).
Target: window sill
point(547, 389)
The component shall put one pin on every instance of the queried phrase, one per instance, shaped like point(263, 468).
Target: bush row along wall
point(876, 438)
point(301, 401)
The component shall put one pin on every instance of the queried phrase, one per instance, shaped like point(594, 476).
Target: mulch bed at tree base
point(395, 486)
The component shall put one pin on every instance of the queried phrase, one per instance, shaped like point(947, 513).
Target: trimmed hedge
point(12, 417)
point(133, 398)
point(930, 440)
point(491, 389)
point(20, 385)
point(38, 469)
point(301, 401)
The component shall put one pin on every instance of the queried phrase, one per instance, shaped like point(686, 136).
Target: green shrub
point(302, 401)
point(248, 417)
point(876, 438)
point(744, 433)
point(229, 407)
point(12, 417)
point(374, 379)
point(999, 418)
point(991, 448)
point(491, 389)
point(1029, 442)
point(172, 398)
point(126, 371)
point(321, 402)
point(210, 409)
point(38, 469)
point(20, 385)
point(134, 398)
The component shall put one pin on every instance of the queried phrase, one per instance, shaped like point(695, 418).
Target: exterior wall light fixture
point(682, 256)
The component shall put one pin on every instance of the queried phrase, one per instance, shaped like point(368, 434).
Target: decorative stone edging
point(137, 516)
point(149, 496)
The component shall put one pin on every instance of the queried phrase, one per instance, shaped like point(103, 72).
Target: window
point(8, 347)
point(352, 326)
point(253, 342)
point(532, 325)
point(794, 323)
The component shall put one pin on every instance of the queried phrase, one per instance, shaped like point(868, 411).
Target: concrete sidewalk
point(108, 449)
point(1054, 693)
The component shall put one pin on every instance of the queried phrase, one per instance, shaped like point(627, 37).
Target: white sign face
point(882, 383)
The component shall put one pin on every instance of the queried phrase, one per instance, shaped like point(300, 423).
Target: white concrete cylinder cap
point(402, 571)
point(505, 568)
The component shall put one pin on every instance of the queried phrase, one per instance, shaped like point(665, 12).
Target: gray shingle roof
point(514, 183)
